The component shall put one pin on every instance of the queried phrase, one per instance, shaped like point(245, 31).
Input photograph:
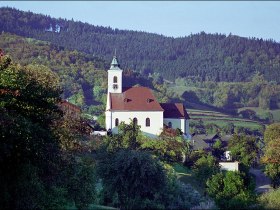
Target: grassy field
point(221, 119)
point(261, 112)
point(91, 207)
point(186, 176)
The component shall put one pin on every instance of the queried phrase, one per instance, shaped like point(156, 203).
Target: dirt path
point(263, 183)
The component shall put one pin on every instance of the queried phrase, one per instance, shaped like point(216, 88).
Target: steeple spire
point(115, 76)
point(115, 64)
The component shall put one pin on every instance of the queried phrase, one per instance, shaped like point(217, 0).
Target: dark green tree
point(204, 168)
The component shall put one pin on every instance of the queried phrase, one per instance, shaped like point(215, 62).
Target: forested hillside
point(214, 57)
point(82, 77)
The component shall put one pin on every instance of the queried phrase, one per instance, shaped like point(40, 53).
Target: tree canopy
point(215, 57)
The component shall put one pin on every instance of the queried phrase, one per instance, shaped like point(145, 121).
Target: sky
point(258, 19)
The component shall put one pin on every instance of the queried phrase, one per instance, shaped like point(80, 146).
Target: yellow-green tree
point(271, 157)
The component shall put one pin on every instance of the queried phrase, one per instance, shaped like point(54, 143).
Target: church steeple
point(114, 77)
point(114, 63)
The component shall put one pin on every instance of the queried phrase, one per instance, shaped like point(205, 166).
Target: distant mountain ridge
point(213, 57)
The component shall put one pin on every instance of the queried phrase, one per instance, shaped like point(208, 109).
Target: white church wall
point(108, 120)
point(156, 120)
point(229, 166)
point(183, 125)
point(177, 123)
point(111, 74)
point(187, 126)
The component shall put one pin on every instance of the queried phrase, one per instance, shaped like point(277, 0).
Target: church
point(138, 104)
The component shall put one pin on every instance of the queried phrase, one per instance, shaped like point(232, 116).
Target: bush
point(204, 168)
point(270, 200)
point(230, 191)
point(135, 180)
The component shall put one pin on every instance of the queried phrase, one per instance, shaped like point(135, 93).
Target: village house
point(205, 142)
point(138, 104)
point(70, 110)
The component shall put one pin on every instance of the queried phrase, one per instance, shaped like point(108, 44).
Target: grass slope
point(221, 119)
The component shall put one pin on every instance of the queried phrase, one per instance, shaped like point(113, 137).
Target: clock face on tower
point(115, 86)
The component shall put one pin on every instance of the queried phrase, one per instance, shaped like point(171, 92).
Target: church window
point(115, 79)
point(148, 122)
point(116, 122)
point(170, 124)
point(115, 86)
point(135, 121)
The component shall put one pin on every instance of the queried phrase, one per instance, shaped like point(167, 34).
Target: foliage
point(243, 149)
point(218, 149)
point(141, 182)
point(214, 57)
point(170, 150)
point(271, 153)
point(84, 82)
point(230, 191)
point(229, 128)
point(130, 137)
point(81, 182)
point(272, 132)
point(32, 164)
point(270, 200)
point(197, 127)
point(248, 113)
point(204, 168)
point(192, 157)
point(272, 160)
point(255, 92)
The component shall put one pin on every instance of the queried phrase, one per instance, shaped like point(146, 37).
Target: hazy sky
point(259, 19)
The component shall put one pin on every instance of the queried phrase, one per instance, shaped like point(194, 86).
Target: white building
point(140, 105)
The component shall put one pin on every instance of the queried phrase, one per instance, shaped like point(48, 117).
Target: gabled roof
point(206, 137)
point(174, 110)
point(199, 144)
point(134, 99)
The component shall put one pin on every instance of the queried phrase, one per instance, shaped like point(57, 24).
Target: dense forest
point(214, 57)
point(84, 80)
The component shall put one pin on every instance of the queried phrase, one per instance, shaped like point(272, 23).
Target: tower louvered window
point(115, 79)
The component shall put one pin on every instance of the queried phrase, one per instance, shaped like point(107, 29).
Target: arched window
point(170, 124)
point(148, 122)
point(116, 122)
point(135, 121)
point(115, 79)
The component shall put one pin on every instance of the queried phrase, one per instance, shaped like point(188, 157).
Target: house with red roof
point(139, 105)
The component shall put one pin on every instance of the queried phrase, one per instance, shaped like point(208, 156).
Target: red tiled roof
point(174, 110)
point(134, 99)
point(66, 104)
point(12, 92)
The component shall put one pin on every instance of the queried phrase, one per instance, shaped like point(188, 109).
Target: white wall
point(156, 120)
point(187, 126)
point(108, 120)
point(111, 74)
point(229, 166)
point(227, 155)
point(178, 123)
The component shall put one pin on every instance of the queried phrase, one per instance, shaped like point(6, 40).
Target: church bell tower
point(115, 77)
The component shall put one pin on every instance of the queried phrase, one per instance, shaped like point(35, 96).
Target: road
point(263, 183)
